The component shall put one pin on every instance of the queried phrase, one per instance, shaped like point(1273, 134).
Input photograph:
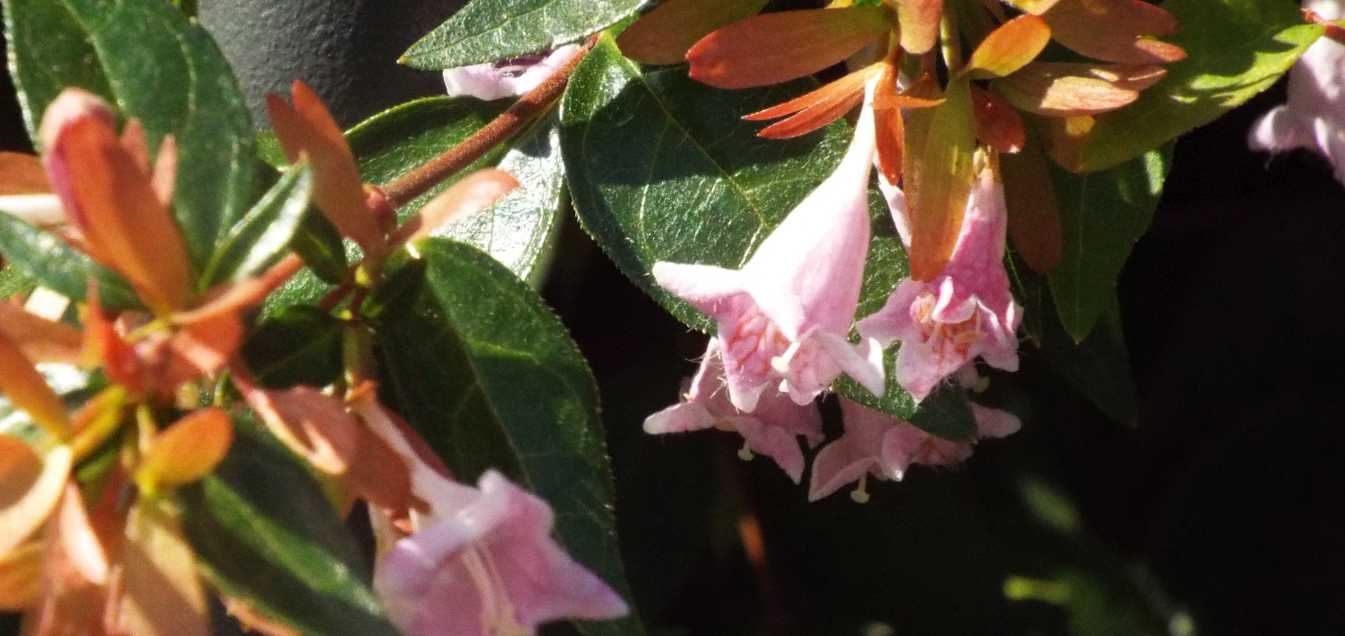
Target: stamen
point(745, 453)
point(860, 495)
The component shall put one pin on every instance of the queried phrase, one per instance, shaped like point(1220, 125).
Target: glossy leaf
point(296, 345)
point(1009, 47)
point(158, 68)
point(263, 531)
point(1116, 30)
point(56, 265)
point(661, 169)
point(482, 368)
point(663, 35)
point(1236, 49)
point(777, 47)
point(491, 30)
point(1102, 215)
point(261, 237)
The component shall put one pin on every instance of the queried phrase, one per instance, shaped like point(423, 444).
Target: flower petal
point(506, 78)
point(772, 441)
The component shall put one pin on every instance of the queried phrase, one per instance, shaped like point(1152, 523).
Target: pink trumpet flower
point(770, 430)
point(506, 78)
point(785, 316)
point(966, 311)
point(885, 447)
point(1314, 115)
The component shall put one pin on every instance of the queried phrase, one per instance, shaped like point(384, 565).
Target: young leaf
point(777, 47)
point(491, 30)
point(263, 531)
point(1117, 30)
point(709, 191)
point(159, 68)
point(1009, 47)
point(1062, 89)
point(1102, 215)
point(488, 375)
point(663, 35)
point(1236, 49)
point(261, 237)
point(58, 266)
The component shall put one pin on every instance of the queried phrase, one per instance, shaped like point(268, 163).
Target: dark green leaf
point(662, 168)
point(319, 243)
point(477, 363)
point(264, 532)
point(53, 264)
point(491, 30)
point(14, 282)
point(1235, 49)
point(159, 68)
point(261, 237)
point(296, 345)
point(1102, 214)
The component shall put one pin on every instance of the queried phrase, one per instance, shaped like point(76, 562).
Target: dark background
point(1222, 502)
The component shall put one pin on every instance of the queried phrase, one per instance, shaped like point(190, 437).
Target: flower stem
point(500, 129)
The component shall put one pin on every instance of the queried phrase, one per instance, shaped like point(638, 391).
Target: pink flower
point(878, 444)
point(966, 311)
point(785, 316)
point(1314, 116)
point(481, 560)
point(506, 78)
point(769, 430)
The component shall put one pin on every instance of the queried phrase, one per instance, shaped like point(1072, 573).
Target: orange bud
point(663, 35)
point(1115, 30)
point(1034, 211)
point(997, 123)
point(1009, 47)
point(919, 22)
point(307, 127)
point(778, 47)
point(186, 451)
point(113, 203)
point(469, 195)
point(30, 488)
point(26, 388)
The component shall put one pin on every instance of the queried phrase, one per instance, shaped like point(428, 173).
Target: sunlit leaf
point(777, 47)
point(260, 238)
point(1009, 47)
point(186, 451)
point(663, 35)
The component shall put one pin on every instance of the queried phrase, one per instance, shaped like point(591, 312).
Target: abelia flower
point(885, 447)
point(478, 560)
point(506, 78)
point(784, 317)
point(769, 430)
point(965, 312)
point(1314, 115)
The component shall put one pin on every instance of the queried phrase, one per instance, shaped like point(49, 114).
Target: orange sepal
point(997, 123)
point(814, 109)
point(30, 487)
point(889, 126)
point(663, 35)
point(120, 215)
point(186, 451)
point(308, 128)
point(919, 21)
point(1034, 210)
point(1009, 47)
point(778, 47)
point(26, 388)
point(22, 174)
point(469, 195)
point(1115, 30)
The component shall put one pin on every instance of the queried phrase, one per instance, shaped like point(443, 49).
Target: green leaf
point(14, 282)
point(1102, 214)
point(56, 265)
point(662, 168)
point(481, 367)
point(262, 236)
point(296, 345)
point(1235, 49)
point(319, 243)
point(264, 532)
point(491, 30)
point(159, 68)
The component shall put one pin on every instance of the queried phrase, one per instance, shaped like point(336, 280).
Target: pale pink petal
point(679, 418)
point(34, 209)
point(778, 411)
point(506, 78)
point(994, 423)
point(1279, 131)
point(835, 466)
point(710, 289)
point(920, 368)
point(893, 322)
point(772, 441)
point(863, 362)
point(896, 205)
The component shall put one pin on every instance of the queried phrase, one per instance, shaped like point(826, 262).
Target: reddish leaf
point(813, 110)
point(1034, 211)
point(30, 487)
point(1062, 89)
point(889, 126)
point(41, 340)
point(22, 174)
point(1009, 47)
point(157, 591)
point(777, 47)
point(997, 123)
point(1065, 138)
point(307, 127)
point(120, 215)
point(185, 451)
point(919, 24)
point(938, 179)
point(1115, 30)
point(26, 388)
point(663, 35)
